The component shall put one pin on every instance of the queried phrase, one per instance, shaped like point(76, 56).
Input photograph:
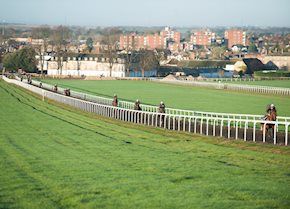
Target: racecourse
point(181, 97)
point(53, 156)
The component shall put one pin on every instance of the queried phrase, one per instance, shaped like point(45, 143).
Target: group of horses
point(137, 104)
point(265, 127)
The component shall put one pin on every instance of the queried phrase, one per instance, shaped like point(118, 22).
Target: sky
point(178, 13)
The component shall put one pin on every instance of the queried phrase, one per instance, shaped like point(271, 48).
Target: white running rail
point(151, 108)
point(199, 124)
point(235, 87)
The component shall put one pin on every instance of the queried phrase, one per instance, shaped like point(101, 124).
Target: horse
point(161, 109)
point(67, 92)
point(115, 101)
point(271, 116)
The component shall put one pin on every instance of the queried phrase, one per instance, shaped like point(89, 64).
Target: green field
point(52, 156)
point(182, 97)
point(274, 83)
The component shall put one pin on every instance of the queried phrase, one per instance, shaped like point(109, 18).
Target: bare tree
point(129, 58)
point(110, 39)
point(218, 52)
point(160, 55)
point(148, 61)
point(60, 36)
point(42, 34)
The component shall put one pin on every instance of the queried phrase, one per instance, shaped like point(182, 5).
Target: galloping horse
point(271, 116)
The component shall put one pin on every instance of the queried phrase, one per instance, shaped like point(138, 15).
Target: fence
point(234, 87)
point(239, 79)
point(150, 108)
point(197, 124)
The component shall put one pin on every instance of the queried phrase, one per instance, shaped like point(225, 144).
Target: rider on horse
point(55, 88)
point(270, 116)
point(137, 105)
point(270, 109)
point(67, 92)
point(162, 107)
point(115, 101)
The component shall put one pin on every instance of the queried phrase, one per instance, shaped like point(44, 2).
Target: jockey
point(162, 107)
point(67, 92)
point(115, 101)
point(137, 105)
point(269, 110)
point(55, 88)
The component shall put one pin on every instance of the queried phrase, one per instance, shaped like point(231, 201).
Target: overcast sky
point(148, 12)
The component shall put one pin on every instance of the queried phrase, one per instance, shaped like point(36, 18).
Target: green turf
point(273, 83)
point(182, 97)
point(52, 156)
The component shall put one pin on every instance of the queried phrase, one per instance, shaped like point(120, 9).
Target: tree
point(148, 61)
point(42, 34)
point(90, 44)
point(252, 48)
point(110, 39)
point(60, 36)
point(129, 58)
point(218, 52)
point(23, 58)
point(9, 61)
point(160, 55)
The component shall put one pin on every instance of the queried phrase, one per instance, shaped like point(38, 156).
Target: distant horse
point(67, 92)
point(137, 105)
point(162, 110)
point(115, 101)
point(271, 116)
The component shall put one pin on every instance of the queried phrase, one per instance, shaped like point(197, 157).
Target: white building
point(84, 67)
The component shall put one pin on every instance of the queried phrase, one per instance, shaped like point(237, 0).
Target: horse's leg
point(268, 132)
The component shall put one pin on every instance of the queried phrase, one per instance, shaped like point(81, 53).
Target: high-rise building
point(169, 35)
point(235, 37)
point(162, 41)
point(132, 41)
point(202, 38)
point(154, 41)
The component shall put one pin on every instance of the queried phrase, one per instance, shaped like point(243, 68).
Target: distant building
point(235, 37)
point(132, 41)
point(202, 38)
point(92, 67)
point(155, 41)
point(169, 35)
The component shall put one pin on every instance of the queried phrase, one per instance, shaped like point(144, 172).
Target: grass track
point(52, 156)
point(182, 97)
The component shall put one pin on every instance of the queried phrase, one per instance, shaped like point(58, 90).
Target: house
point(239, 48)
point(253, 65)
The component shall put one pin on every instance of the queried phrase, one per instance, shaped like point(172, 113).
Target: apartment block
point(235, 37)
point(152, 41)
point(132, 41)
point(202, 38)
